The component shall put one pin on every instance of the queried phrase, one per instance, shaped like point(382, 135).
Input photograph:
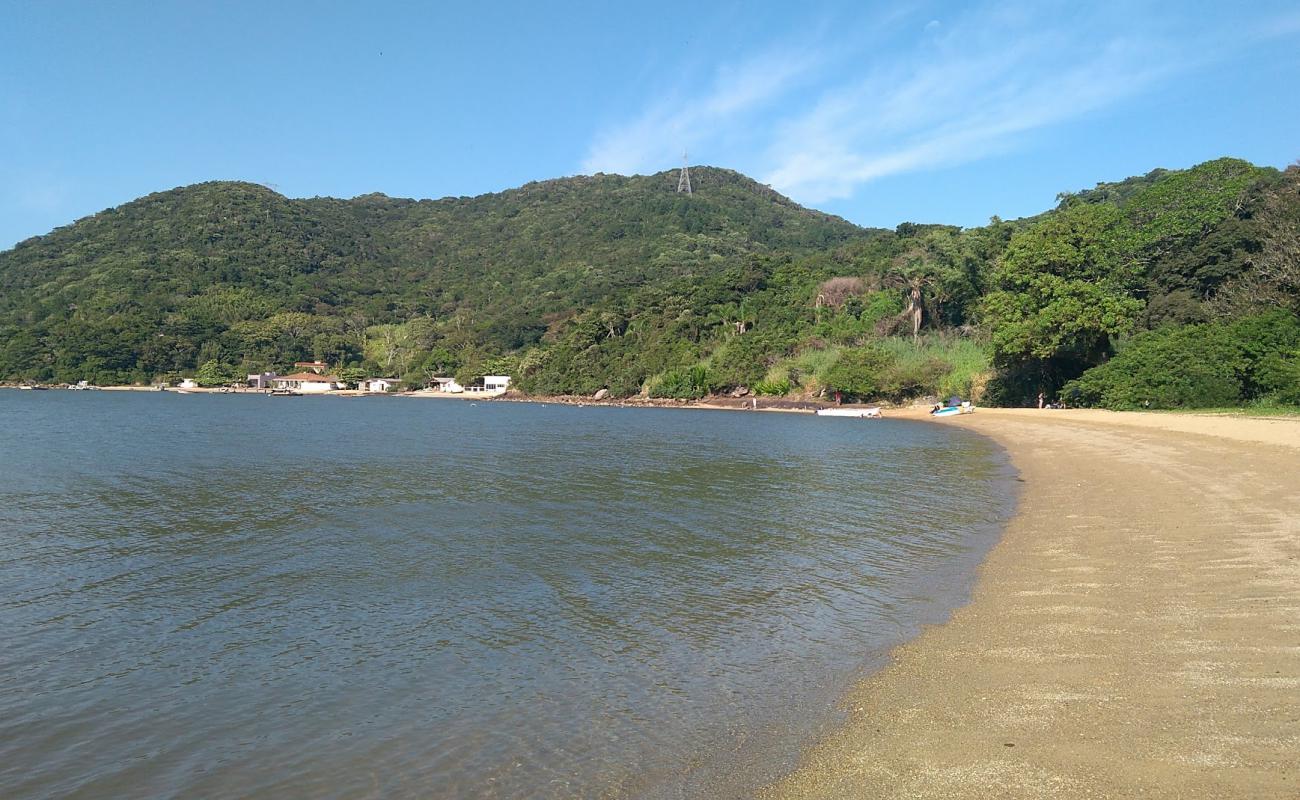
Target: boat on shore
point(857, 413)
point(284, 393)
point(952, 411)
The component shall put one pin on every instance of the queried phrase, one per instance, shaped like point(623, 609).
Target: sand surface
point(1136, 633)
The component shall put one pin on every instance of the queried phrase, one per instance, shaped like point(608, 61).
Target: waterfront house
point(492, 385)
point(188, 383)
point(448, 385)
point(379, 385)
point(261, 380)
point(306, 382)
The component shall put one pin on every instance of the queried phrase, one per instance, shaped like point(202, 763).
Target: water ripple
point(243, 597)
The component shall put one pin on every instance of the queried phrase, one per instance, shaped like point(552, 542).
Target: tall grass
point(941, 364)
point(969, 361)
point(804, 370)
point(936, 364)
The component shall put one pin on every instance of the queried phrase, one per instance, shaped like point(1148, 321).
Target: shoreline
point(1132, 633)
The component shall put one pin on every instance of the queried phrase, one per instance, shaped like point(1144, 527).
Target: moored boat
point(858, 413)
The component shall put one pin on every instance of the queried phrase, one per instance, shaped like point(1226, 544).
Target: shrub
point(912, 378)
point(776, 387)
point(835, 292)
point(1197, 366)
point(858, 371)
point(1279, 375)
point(683, 383)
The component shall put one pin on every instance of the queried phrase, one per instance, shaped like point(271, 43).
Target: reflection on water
point(238, 596)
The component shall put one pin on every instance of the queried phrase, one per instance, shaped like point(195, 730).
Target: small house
point(379, 385)
point(261, 380)
point(448, 385)
point(496, 383)
point(188, 383)
point(307, 382)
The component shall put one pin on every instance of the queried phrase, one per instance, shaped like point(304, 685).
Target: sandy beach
point(1136, 633)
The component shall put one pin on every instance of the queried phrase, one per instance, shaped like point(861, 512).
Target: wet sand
point(1136, 633)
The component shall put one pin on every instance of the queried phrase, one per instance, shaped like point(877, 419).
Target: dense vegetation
point(1177, 288)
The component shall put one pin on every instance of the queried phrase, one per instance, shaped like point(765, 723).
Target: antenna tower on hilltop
point(684, 181)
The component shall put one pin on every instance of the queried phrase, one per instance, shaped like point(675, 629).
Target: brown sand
point(1136, 633)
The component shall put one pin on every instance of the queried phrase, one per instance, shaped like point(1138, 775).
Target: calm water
point(243, 596)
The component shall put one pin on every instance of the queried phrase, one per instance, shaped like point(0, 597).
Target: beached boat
point(859, 413)
point(284, 393)
point(952, 411)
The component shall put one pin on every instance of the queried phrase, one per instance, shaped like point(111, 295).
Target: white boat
point(952, 411)
point(858, 413)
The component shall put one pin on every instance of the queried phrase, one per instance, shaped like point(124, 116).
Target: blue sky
point(879, 112)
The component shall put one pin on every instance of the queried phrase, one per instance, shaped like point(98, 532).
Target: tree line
point(606, 282)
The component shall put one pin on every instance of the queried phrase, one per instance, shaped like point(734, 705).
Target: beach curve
point(1134, 633)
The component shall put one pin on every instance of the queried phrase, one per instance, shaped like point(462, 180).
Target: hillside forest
point(1174, 289)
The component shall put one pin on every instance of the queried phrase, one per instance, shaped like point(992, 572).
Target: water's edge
point(748, 779)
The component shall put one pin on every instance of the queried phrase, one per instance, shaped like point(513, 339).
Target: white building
point(307, 382)
point(492, 385)
point(188, 383)
point(448, 385)
point(379, 385)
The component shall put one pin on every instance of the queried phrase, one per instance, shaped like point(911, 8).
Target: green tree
point(1063, 292)
point(214, 373)
point(352, 374)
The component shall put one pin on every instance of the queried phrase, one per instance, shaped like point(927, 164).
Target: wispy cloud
point(959, 101)
point(680, 120)
point(947, 90)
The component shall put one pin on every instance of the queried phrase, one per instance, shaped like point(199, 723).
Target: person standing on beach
point(1040, 399)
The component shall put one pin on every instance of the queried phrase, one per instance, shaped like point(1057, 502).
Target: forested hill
point(139, 290)
point(1176, 288)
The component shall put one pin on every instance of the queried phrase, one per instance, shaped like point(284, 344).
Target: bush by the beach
point(1198, 366)
point(684, 383)
point(774, 388)
point(858, 372)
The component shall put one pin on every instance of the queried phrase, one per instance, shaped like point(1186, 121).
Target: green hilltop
point(1172, 289)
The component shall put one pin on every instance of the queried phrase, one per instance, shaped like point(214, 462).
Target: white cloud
point(655, 140)
point(955, 107)
point(901, 94)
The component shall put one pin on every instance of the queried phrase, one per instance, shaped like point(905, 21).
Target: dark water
point(242, 596)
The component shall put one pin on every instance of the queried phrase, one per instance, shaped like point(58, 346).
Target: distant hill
point(139, 289)
point(582, 283)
